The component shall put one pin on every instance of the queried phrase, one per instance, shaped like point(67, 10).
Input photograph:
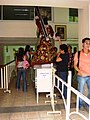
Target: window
point(18, 13)
point(73, 15)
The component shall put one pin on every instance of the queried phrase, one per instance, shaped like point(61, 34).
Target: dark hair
point(84, 39)
point(64, 47)
point(55, 48)
point(21, 50)
point(20, 54)
point(27, 48)
point(38, 46)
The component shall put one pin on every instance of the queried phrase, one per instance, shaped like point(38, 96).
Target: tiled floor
point(18, 105)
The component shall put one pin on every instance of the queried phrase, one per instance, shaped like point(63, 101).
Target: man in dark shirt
point(62, 66)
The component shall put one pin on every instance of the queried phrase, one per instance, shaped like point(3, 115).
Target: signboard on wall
point(18, 13)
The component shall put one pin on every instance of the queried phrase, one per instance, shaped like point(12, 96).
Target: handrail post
point(52, 92)
point(6, 74)
point(2, 78)
point(6, 81)
point(68, 96)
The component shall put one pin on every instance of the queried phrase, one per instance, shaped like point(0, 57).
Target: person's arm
point(31, 53)
point(16, 62)
point(60, 41)
point(75, 62)
point(58, 59)
point(27, 65)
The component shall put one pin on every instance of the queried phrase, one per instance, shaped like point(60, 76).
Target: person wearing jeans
point(63, 76)
point(81, 83)
point(83, 69)
point(21, 71)
point(62, 66)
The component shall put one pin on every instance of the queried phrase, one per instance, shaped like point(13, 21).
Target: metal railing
point(6, 72)
point(67, 102)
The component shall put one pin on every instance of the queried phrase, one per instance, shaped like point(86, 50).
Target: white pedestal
point(43, 80)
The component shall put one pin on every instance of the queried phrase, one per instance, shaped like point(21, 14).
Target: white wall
point(72, 31)
point(81, 4)
point(12, 28)
point(83, 26)
point(61, 15)
point(17, 28)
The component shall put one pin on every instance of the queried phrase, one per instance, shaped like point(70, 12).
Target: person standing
point(25, 62)
point(21, 72)
point(54, 58)
point(26, 65)
point(71, 61)
point(28, 52)
point(83, 76)
point(62, 66)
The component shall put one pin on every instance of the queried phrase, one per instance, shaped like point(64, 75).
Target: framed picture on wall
point(62, 31)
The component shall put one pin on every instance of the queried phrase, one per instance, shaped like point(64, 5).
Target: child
point(26, 65)
point(25, 62)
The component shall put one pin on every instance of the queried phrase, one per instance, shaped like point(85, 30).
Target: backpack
point(75, 83)
point(78, 58)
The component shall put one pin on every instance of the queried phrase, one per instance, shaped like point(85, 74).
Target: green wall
point(9, 52)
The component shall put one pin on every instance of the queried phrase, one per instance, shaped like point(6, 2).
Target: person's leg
point(56, 78)
point(24, 80)
point(81, 83)
point(88, 85)
point(18, 79)
point(64, 76)
point(60, 84)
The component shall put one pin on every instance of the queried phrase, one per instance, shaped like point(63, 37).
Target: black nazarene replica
point(45, 52)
